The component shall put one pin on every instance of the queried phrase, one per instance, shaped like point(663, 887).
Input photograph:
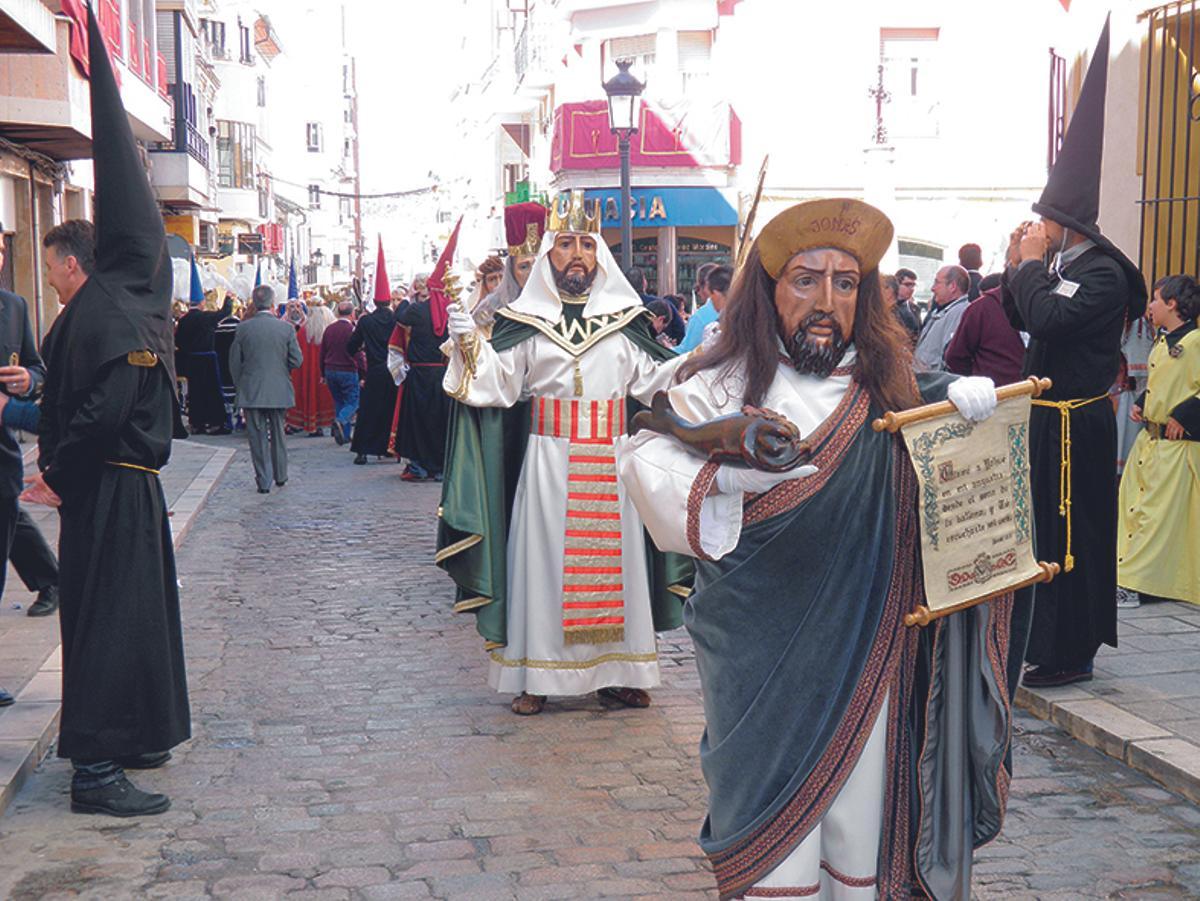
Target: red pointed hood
point(383, 290)
point(439, 300)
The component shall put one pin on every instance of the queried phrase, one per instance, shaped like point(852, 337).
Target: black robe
point(377, 405)
point(424, 405)
point(196, 360)
point(124, 684)
point(1076, 342)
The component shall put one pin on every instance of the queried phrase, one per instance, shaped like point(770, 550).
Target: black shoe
point(6, 700)
point(1043, 677)
point(360, 460)
point(46, 603)
point(319, 433)
point(118, 799)
point(281, 484)
point(151, 761)
point(264, 490)
point(338, 434)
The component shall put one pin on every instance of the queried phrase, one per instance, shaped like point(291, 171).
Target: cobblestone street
point(346, 745)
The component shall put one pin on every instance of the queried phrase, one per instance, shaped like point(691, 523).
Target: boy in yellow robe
point(1160, 490)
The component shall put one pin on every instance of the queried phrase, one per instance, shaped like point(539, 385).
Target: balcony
point(44, 101)
point(26, 26)
point(532, 55)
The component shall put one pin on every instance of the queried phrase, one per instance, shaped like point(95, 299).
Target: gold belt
point(132, 466)
point(1064, 408)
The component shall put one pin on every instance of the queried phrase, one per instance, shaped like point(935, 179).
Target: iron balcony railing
point(1169, 240)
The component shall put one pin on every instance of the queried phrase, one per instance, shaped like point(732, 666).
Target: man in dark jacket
point(21, 376)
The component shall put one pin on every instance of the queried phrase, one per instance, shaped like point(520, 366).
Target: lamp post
point(623, 92)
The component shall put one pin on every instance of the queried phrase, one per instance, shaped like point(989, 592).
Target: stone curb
point(29, 727)
point(1150, 749)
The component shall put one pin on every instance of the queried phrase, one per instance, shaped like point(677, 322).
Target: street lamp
point(623, 92)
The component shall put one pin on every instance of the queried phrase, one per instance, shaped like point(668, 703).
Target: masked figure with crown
point(542, 542)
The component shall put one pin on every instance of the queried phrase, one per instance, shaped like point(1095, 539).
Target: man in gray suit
point(263, 353)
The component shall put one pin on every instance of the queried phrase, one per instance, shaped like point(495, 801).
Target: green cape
point(485, 448)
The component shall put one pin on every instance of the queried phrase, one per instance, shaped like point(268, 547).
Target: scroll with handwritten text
point(974, 503)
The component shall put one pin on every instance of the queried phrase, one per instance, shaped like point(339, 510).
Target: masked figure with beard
point(544, 547)
point(846, 754)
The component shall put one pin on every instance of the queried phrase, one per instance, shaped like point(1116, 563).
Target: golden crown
point(571, 212)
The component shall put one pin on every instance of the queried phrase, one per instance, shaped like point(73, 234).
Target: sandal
point(526, 704)
point(630, 697)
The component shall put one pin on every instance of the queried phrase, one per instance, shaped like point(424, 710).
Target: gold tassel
point(578, 379)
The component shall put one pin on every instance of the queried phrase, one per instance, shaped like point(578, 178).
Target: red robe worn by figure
point(314, 404)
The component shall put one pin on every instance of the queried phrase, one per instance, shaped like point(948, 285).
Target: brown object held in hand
point(756, 438)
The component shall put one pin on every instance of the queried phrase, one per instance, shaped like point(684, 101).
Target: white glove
point(975, 397)
point(460, 323)
point(739, 480)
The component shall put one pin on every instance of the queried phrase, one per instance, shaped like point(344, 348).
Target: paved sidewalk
point(1143, 706)
point(346, 746)
point(30, 659)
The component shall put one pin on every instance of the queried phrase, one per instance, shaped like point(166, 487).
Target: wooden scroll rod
point(923, 616)
point(893, 422)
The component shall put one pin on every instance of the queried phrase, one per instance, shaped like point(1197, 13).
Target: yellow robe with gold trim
point(1160, 490)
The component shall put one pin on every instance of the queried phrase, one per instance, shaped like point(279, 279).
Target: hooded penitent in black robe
point(798, 650)
point(424, 404)
point(107, 418)
point(377, 406)
point(196, 360)
point(1076, 342)
point(1075, 318)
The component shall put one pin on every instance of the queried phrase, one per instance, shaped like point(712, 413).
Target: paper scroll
point(974, 502)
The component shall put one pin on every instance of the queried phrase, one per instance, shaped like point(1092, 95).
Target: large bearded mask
point(573, 261)
point(816, 295)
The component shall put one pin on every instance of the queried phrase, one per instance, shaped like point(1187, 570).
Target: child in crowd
point(1160, 489)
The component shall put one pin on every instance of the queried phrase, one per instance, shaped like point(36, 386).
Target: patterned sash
point(593, 610)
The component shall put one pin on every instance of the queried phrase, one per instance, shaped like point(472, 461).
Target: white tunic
point(838, 859)
point(536, 658)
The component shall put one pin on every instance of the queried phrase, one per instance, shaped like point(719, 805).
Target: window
point(314, 197)
point(695, 57)
point(348, 115)
point(214, 33)
point(244, 43)
point(262, 91)
point(909, 57)
point(264, 197)
point(337, 261)
point(346, 80)
point(346, 148)
point(639, 48)
point(235, 155)
point(313, 136)
point(344, 210)
point(514, 173)
point(443, 218)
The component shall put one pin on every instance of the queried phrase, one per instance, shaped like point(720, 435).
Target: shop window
point(910, 58)
point(235, 155)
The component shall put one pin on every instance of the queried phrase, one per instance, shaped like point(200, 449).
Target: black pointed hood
point(125, 305)
point(1072, 193)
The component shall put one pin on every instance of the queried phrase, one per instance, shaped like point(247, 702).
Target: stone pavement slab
point(30, 658)
point(346, 745)
point(1143, 705)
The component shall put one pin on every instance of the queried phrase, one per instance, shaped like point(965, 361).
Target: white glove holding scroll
point(975, 397)
point(459, 322)
point(736, 480)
